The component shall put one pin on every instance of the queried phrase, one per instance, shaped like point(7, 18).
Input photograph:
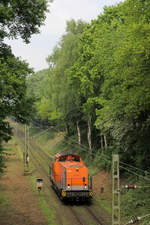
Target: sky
point(41, 45)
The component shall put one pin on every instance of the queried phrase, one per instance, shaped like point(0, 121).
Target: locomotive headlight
point(63, 193)
point(68, 186)
point(85, 186)
point(91, 193)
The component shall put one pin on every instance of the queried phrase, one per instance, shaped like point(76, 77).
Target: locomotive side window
point(76, 159)
point(62, 159)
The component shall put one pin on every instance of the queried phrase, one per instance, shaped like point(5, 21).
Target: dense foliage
point(17, 18)
point(97, 85)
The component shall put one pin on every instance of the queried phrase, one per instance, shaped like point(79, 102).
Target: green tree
point(17, 18)
point(63, 57)
point(125, 96)
point(22, 18)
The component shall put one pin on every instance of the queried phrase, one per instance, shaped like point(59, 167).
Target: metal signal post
point(26, 148)
point(25, 144)
point(115, 190)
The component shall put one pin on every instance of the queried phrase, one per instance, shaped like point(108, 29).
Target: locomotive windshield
point(69, 158)
point(76, 159)
point(62, 159)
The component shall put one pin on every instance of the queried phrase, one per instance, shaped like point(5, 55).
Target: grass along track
point(80, 214)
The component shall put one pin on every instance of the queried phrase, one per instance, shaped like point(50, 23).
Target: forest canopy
point(97, 86)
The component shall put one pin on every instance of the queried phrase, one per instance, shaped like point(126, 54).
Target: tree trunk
point(102, 144)
point(79, 133)
point(67, 129)
point(105, 142)
point(89, 134)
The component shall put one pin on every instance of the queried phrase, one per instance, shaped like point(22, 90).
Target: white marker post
point(39, 184)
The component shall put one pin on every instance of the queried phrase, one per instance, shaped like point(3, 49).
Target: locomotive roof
point(65, 154)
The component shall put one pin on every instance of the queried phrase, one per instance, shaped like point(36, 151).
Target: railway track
point(76, 216)
point(40, 160)
point(100, 221)
point(42, 172)
point(47, 183)
point(46, 178)
point(90, 211)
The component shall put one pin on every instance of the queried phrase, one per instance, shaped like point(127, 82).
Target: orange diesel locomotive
point(69, 177)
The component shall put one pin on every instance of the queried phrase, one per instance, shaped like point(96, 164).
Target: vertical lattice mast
point(115, 191)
